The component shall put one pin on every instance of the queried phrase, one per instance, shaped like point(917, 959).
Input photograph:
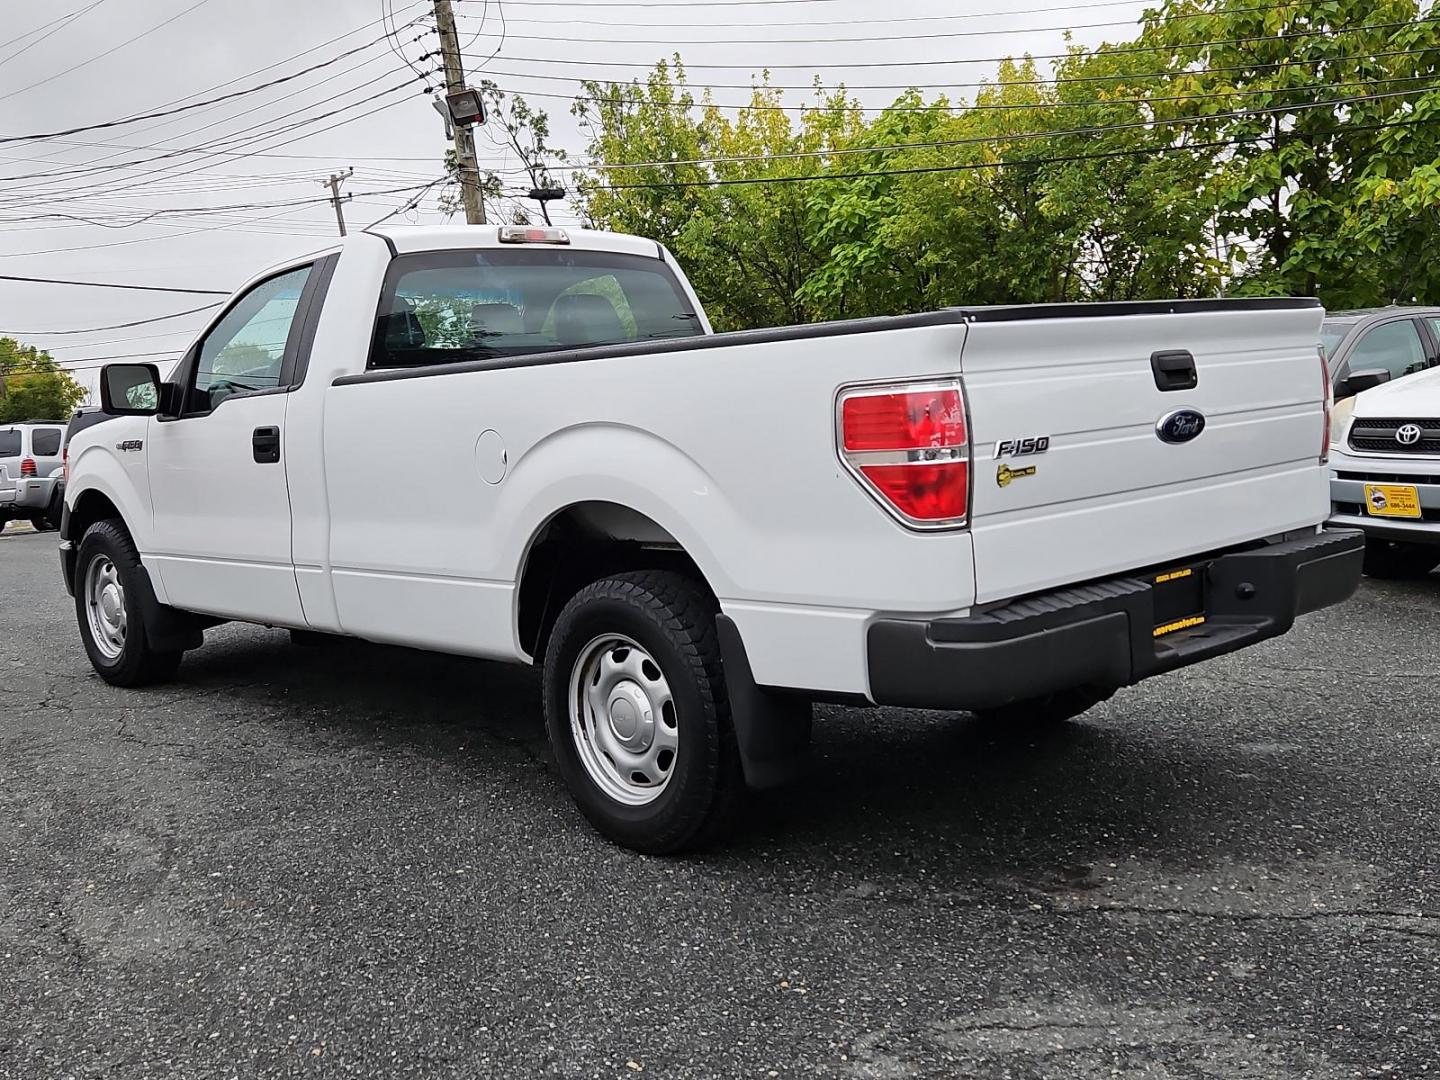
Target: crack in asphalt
point(1366, 916)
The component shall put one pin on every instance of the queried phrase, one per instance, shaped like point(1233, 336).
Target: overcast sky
point(259, 155)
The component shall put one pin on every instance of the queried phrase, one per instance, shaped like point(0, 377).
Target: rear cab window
point(443, 307)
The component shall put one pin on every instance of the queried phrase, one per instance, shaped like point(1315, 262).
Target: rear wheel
point(1048, 711)
point(1393, 559)
point(637, 714)
point(107, 605)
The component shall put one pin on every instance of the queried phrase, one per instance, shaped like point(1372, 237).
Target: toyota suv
point(1385, 473)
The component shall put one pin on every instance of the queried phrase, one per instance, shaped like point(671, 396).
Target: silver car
point(30, 453)
point(1370, 347)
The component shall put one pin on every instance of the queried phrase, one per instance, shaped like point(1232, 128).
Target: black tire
point(674, 621)
point(42, 523)
point(138, 664)
point(1399, 561)
point(1045, 712)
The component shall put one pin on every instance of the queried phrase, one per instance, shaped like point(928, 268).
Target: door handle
point(1174, 370)
point(266, 444)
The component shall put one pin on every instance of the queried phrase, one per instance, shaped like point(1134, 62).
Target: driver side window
point(246, 349)
point(1394, 347)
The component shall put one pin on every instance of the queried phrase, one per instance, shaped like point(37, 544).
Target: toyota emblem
point(1408, 434)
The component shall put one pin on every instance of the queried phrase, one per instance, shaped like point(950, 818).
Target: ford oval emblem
point(1180, 426)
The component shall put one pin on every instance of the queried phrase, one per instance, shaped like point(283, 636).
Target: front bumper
point(1350, 474)
point(1103, 634)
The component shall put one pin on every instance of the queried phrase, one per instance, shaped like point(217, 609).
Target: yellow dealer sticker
point(1392, 500)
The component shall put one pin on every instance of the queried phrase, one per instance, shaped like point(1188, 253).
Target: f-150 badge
point(1004, 474)
point(1035, 444)
point(130, 445)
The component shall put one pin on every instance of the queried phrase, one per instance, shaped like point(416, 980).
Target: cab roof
point(450, 237)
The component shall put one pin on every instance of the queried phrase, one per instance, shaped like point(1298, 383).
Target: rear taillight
point(65, 464)
point(27, 467)
point(1329, 400)
point(907, 444)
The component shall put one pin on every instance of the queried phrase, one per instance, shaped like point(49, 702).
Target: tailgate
point(1096, 490)
point(7, 486)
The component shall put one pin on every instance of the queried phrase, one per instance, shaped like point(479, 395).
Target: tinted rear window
point(45, 442)
point(441, 307)
point(9, 444)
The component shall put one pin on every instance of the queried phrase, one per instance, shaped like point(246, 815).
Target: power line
point(387, 19)
point(410, 204)
point(64, 20)
point(674, 3)
point(1066, 80)
point(268, 67)
point(52, 22)
point(107, 52)
point(84, 363)
point(1118, 50)
point(198, 210)
point(568, 21)
point(504, 32)
point(95, 165)
point(206, 145)
point(208, 228)
point(111, 285)
point(1022, 136)
point(972, 166)
point(114, 326)
point(1004, 31)
point(1040, 106)
point(82, 191)
point(137, 117)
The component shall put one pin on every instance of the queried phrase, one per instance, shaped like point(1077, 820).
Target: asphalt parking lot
point(356, 861)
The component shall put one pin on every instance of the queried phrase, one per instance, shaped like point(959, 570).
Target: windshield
point(1332, 333)
point(440, 307)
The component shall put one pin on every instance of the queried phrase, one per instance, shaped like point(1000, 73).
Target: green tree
point(682, 171)
point(32, 386)
point(1224, 147)
point(1331, 108)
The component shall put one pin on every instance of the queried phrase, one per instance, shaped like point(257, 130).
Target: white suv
point(1385, 473)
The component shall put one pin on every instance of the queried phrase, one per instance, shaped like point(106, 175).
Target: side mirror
point(130, 390)
point(1357, 382)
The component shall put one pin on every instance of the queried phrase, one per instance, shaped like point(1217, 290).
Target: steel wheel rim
point(105, 607)
point(622, 719)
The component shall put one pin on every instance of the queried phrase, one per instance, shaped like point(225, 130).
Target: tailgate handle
point(265, 442)
point(1174, 369)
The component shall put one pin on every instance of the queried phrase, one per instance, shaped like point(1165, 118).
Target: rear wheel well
point(582, 544)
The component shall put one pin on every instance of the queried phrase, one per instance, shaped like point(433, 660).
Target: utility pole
point(336, 179)
point(464, 137)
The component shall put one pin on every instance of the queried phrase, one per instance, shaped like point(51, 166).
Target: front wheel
point(107, 605)
point(1396, 560)
point(637, 714)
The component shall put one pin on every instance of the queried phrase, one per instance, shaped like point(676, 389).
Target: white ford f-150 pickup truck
point(1008, 510)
